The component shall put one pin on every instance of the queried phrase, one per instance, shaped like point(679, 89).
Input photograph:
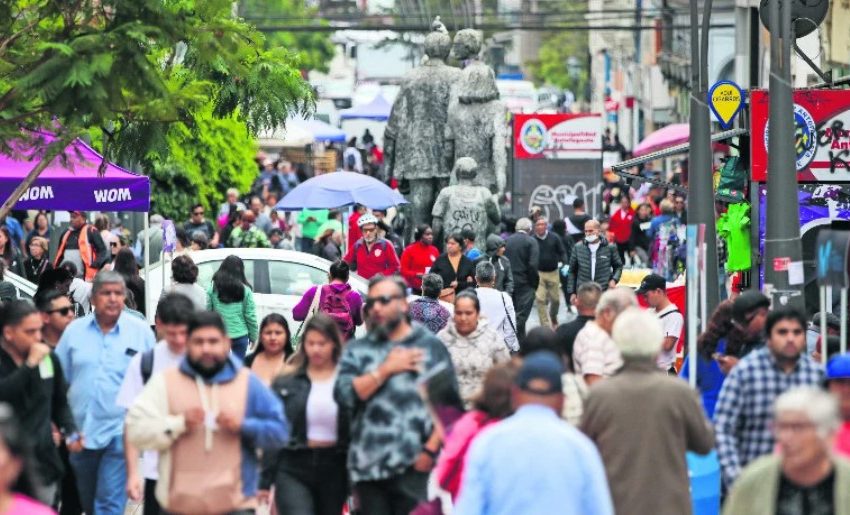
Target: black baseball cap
point(748, 302)
point(652, 282)
point(540, 374)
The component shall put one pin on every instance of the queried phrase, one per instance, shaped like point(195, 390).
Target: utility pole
point(782, 245)
point(700, 172)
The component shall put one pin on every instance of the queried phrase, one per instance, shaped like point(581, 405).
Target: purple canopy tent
point(77, 185)
point(73, 184)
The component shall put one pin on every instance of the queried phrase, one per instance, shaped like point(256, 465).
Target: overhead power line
point(419, 27)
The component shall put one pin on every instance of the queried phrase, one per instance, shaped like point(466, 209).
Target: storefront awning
point(620, 168)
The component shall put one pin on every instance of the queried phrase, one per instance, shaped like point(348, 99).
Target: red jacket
point(621, 225)
point(414, 260)
point(381, 259)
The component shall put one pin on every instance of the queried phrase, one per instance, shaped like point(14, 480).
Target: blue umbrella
point(338, 189)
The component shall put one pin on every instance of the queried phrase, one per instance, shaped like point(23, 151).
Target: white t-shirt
point(322, 412)
point(672, 322)
point(163, 359)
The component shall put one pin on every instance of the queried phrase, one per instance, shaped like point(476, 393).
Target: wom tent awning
point(378, 109)
point(73, 184)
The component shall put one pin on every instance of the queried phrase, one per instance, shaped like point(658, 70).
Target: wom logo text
point(112, 195)
point(37, 193)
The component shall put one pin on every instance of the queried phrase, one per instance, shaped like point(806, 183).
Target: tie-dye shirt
point(389, 429)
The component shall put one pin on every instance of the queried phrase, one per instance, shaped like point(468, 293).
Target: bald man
point(594, 260)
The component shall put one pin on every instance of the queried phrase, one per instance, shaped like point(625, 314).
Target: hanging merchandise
point(734, 227)
point(732, 183)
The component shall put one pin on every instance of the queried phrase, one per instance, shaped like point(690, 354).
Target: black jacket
point(504, 274)
point(552, 252)
point(465, 274)
point(294, 389)
point(524, 254)
point(15, 261)
point(608, 266)
point(37, 401)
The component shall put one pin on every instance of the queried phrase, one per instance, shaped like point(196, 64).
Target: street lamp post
point(782, 246)
point(700, 174)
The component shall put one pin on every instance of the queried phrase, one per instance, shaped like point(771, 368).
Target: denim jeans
point(398, 495)
point(102, 478)
point(311, 482)
point(239, 346)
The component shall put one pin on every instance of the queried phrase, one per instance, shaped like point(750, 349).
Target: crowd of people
point(428, 383)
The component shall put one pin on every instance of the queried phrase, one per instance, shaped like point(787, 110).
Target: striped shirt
point(595, 352)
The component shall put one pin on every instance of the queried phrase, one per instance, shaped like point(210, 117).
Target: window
point(288, 278)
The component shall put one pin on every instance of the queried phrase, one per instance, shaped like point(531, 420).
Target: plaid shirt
point(745, 409)
point(253, 238)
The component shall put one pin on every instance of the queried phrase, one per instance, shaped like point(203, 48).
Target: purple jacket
point(355, 302)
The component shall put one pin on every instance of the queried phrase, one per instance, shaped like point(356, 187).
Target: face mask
point(592, 239)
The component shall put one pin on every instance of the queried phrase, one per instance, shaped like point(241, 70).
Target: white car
point(279, 278)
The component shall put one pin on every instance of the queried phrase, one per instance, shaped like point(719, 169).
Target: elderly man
point(615, 418)
point(803, 477)
point(524, 255)
point(595, 355)
point(594, 260)
point(743, 415)
point(94, 352)
point(154, 235)
point(497, 307)
point(371, 255)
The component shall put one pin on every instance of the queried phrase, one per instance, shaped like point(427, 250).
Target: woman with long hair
point(10, 253)
point(418, 258)
point(38, 262)
point(336, 299)
point(491, 404)
point(309, 474)
point(457, 270)
point(125, 264)
point(41, 227)
point(722, 339)
point(16, 483)
point(231, 296)
point(273, 349)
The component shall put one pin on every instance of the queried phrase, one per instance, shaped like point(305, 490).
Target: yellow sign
point(726, 100)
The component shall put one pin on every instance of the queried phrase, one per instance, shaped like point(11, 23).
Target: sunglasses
point(382, 300)
point(62, 311)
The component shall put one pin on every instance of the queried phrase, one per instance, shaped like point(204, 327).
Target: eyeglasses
point(371, 229)
point(783, 332)
point(382, 300)
point(62, 311)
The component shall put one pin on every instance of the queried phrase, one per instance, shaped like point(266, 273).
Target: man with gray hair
point(497, 307)
point(594, 259)
point(630, 442)
point(595, 355)
point(524, 254)
point(427, 309)
point(94, 352)
point(804, 476)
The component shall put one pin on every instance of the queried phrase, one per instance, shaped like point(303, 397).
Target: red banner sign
point(558, 136)
point(822, 135)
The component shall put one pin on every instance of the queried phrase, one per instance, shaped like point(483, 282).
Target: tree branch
point(53, 150)
point(11, 39)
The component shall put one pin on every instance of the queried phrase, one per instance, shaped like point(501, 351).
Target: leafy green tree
point(551, 67)
point(135, 69)
point(313, 50)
